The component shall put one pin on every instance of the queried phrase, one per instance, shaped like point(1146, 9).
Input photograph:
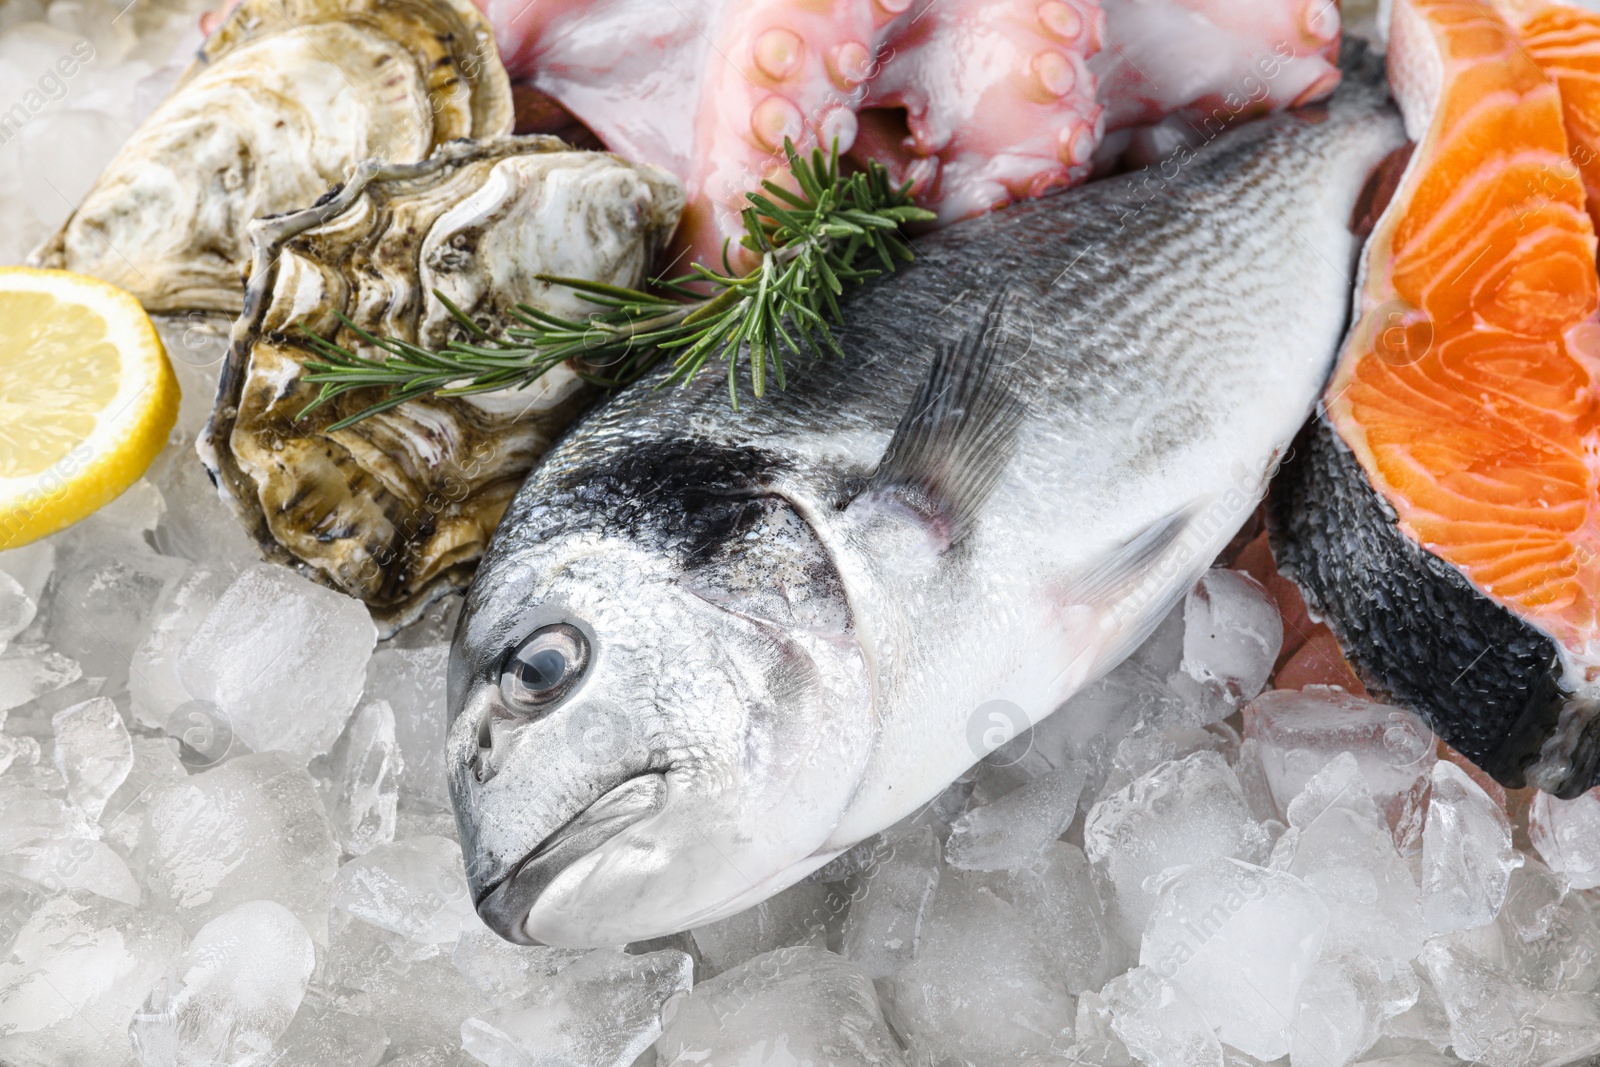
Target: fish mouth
point(504, 907)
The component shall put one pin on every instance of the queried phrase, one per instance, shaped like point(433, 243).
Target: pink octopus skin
point(998, 100)
point(998, 97)
point(1176, 71)
point(1002, 99)
point(976, 102)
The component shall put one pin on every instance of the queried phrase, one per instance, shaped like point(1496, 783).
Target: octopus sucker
point(977, 103)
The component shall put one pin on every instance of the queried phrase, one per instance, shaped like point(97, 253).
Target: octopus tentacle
point(1177, 71)
point(975, 102)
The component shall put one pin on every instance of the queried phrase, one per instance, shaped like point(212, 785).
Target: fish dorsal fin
point(956, 438)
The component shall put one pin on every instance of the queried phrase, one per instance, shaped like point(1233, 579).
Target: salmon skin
point(708, 651)
point(1418, 631)
point(1441, 512)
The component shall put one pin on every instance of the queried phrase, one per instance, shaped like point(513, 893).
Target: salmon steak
point(1440, 511)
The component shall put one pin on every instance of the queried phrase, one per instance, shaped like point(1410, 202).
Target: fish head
point(645, 735)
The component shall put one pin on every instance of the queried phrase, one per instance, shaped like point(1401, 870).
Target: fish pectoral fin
point(954, 441)
point(1114, 577)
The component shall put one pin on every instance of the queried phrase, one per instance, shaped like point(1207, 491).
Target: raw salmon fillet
point(1480, 440)
point(1466, 398)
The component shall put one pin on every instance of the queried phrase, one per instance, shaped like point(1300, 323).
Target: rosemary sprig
point(836, 230)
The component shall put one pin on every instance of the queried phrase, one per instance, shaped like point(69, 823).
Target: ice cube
point(93, 752)
point(17, 608)
point(23, 574)
point(153, 681)
point(1058, 900)
point(1299, 731)
point(251, 828)
point(1091, 724)
point(1159, 1023)
point(13, 749)
point(1567, 835)
point(1499, 1022)
point(1231, 633)
point(232, 993)
point(19, 898)
point(450, 1055)
point(948, 806)
point(504, 971)
point(197, 346)
point(1341, 1007)
point(1238, 941)
point(374, 973)
point(33, 720)
point(74, 863)
point(856, 859)
point(1253, 781)
point(1162, 651)
point(1179, 813)
point(1143, 752)
point(1012, 832)
point(409, 822)
point(101, 606)
point(27, 672)
point(198, 524)
point(155, 766)
point(884, 925)
point(31, 566)
point(800, 915)
point(32, 814)
point(412, 681)
point(1343, 850)
point(1534, 896)
point(366, 766)
point(1095, 1041)
point(1006, 769)
point(601, 1011)
point(981, 987)
point(1548, 934)
point(325, 1037)
point(283, 658)
point(1467, 858)
point(792, 1005)
point(1425, 1023)
point(125, 520)
point(75, 973)
point(71, 147)
point(415, 888)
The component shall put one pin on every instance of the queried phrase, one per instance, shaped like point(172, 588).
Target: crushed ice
point(1177, 870)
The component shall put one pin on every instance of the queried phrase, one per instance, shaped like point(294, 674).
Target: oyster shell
point(282, 102)
point(397, 508)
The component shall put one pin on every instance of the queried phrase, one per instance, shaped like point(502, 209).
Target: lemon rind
point(129, 432)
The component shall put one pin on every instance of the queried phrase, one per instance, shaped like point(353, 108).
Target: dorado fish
point(709, 650)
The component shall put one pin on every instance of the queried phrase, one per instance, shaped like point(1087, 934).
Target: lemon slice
point(87, 398)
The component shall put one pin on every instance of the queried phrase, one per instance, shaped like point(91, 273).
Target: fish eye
point(544, 667)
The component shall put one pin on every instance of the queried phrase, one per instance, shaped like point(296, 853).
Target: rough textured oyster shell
point(397, 509)
point(282, 102)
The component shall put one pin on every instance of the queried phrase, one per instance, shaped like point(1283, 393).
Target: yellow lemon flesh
point(87, 398)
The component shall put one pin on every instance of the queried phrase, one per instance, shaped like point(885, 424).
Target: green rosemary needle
point(835, 231)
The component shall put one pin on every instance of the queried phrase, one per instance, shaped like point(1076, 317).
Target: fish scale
point(1043, 430)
